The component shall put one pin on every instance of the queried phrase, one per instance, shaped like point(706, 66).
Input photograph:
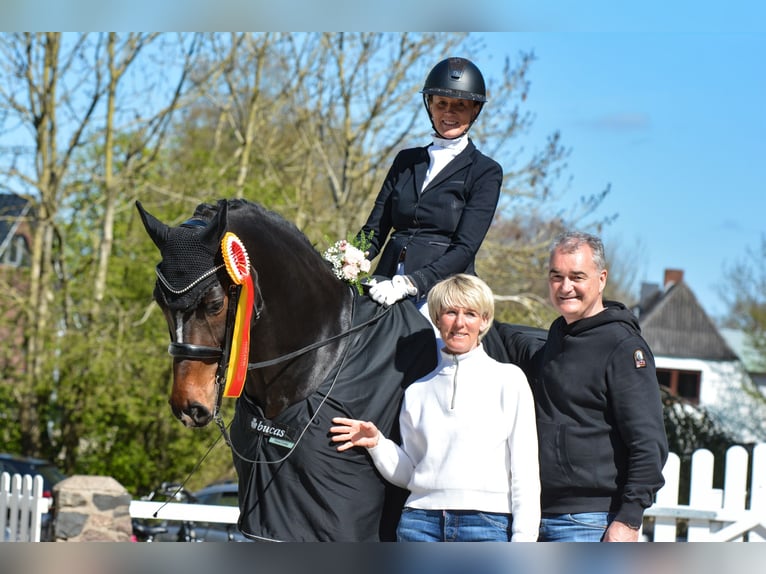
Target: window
point(17, 254)
point(683, 384)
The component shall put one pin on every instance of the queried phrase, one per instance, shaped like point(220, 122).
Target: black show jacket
point(439, 231)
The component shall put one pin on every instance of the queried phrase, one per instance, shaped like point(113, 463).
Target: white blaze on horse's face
point(193, 395)
point(179, 327)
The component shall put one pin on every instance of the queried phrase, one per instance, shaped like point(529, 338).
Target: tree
point(303, 123)
point(333, 109)
point(690, 428)
point(30, 78)
point(745, 297)
point(85, 345)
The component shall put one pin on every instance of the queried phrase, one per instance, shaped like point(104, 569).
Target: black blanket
point(317, 493)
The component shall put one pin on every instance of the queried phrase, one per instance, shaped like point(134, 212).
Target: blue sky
point(674, 122)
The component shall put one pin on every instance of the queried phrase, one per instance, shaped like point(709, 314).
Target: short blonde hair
point(462, 290)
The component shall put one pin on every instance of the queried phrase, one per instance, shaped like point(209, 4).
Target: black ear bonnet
point(191, 255)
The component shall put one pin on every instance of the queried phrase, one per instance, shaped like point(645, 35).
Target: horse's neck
point(297, 311)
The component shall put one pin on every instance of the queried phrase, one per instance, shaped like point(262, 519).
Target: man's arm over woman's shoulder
point(517, 344)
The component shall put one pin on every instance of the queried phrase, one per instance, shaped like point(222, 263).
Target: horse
point(319, 349)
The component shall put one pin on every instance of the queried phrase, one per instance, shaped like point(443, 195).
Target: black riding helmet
point(455, 78)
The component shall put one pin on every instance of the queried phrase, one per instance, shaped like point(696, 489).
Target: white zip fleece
point(469, 441)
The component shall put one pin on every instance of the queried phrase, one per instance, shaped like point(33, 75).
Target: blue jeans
point(580, 527)
point(418, 525)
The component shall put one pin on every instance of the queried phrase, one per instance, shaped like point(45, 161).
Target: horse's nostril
point(199, 414)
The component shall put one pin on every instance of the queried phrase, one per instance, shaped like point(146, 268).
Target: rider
point(437, 201)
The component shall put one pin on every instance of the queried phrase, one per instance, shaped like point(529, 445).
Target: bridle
point(193, 352)
point(220, 354)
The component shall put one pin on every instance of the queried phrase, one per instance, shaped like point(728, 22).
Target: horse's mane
point(286, 230)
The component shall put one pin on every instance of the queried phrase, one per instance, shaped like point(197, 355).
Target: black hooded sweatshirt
point(602, 440)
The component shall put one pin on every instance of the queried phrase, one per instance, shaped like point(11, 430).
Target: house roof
point(12, 208)
point(740, 343)
point(675, 325)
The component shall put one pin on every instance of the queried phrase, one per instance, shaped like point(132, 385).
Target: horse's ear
point(217, 227)
point(157, 230)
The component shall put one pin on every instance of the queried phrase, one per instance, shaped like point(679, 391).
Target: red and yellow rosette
point(238, 265)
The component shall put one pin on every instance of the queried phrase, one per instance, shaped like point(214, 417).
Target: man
point(602, 441)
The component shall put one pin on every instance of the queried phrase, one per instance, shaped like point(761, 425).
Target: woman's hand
point(353, 433)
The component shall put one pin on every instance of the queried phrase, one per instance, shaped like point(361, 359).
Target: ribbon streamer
point(238, 266)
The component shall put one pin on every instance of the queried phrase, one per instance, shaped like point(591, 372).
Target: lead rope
point(188, 476)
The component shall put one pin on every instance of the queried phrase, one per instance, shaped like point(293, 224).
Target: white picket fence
point(184, 511)
point(22, 506)
point(734, 513)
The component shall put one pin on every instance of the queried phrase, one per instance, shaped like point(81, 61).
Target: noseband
point(194, 352)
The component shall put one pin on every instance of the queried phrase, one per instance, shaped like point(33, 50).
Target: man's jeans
point(581, 527)
point(418, 525)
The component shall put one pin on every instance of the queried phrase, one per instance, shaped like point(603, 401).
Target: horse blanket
point(293, 484)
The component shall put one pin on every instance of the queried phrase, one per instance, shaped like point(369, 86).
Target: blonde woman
point(469, 443)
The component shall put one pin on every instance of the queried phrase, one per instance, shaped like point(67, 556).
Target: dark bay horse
point(317, 350)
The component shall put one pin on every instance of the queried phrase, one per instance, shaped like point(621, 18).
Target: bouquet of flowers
point(349, 260)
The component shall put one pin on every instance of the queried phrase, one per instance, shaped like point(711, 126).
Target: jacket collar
point(463, 159)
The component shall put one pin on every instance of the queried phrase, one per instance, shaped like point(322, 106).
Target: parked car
point(221, 494)
point(16, 464)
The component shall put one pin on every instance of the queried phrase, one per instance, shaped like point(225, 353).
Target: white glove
point(389, 292)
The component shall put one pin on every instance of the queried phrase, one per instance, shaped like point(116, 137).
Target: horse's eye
point(214, 306)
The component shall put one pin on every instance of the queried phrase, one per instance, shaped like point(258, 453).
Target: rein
point(317, 344)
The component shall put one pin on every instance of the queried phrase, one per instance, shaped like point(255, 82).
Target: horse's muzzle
point(194, 416)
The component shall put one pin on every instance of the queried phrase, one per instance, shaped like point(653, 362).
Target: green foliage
point(745, 295)
point(690, 428)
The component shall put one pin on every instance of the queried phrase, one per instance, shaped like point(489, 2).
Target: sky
point(663, 101)
point(674, 124)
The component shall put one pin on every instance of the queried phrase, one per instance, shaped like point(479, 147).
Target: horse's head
point(306, 304)
point(191, 290)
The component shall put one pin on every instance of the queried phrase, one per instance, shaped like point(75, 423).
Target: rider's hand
point(391, 291)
